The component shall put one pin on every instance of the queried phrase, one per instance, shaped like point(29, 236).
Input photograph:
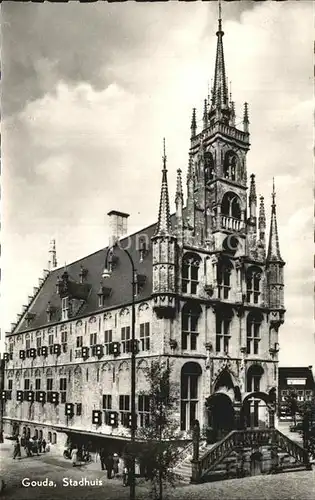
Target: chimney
point(117, 226)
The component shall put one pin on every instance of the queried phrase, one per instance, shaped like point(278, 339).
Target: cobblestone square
point(289, 486)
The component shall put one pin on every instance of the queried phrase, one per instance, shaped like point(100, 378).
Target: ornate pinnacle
point(193, 126)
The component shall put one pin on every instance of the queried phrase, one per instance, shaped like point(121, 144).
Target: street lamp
point(106, 274)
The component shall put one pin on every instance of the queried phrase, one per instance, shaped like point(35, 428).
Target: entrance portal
point(221, 415)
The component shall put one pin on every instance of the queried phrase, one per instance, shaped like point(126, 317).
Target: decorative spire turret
point(52, 263)
point(262, 221)
point(273, 247)
point(193, 126)
point(164, 219)
point(179, 189)
point(179, 202)
point(246, 118)
point(252, 197)
point(220, 88)
point(205, 114)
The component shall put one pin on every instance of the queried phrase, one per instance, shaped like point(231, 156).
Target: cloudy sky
point(88, 93)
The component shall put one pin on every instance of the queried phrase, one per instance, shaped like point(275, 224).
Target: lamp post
point(106, 274)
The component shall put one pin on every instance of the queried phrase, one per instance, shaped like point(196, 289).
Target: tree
point(158, 449)
point(307, 412)
point(292, 406)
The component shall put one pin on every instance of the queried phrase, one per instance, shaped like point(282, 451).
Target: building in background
point(297, 380)
point(209, 298)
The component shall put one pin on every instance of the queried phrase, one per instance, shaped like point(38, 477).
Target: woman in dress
point(74, 456)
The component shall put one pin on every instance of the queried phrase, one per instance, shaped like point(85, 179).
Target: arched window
point(253, 377)
point(230, 166)
point(223, 323)
point(253, 279)
point(224, 270)
point(49, 436)
point(41, 434)
point(189, 394)
point(231, 206)
point(209, 167)
point(36, 434)
point(190, 271)
point(253, 324)
point(54, 438)
point(190, 316)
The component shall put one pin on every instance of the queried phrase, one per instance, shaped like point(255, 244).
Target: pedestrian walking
point(29, 450)
point(1, 437)
point(74, 456)
point(44, 445)
point(48, 445)
point(109, 466)
point(39, 444)
point(17, 449)
point(115, 464)
point(35, 447)
point(125, 475)
point(103, 458)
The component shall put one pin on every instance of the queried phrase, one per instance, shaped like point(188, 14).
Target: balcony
point(231, 223)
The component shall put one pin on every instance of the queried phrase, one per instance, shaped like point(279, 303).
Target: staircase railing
point(249, 438)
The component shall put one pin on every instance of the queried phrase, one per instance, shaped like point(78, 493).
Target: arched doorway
point(255, 409)
point(190, 377)
point(221, 415)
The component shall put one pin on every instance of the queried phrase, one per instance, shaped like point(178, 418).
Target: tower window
point(230, 206)
point(190, 273)
point(253, 332)
point(209, 167)
point(223, 324)
point(190, 316)
point(253, 279)
point(224, 270)
point(230, 166)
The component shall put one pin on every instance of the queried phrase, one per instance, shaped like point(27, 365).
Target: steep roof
point(119, 282)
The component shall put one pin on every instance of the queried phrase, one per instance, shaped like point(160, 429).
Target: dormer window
point(142, 249)
point(65, 308)
point(29, 318)
point(103, 294)
point(140, 282)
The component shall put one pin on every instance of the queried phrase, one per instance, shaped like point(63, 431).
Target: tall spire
point(220, 88)
point(245, 118)
point(252, 196)
point(164, 220)
point(273, 247)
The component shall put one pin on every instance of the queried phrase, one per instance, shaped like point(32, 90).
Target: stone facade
point(210, 301)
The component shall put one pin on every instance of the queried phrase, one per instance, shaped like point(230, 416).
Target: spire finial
point(273, 194)
point(164, 155)
point(179, 188)
point(220, 16)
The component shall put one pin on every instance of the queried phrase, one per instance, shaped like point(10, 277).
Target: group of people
point(110, 463)
point(32, 446)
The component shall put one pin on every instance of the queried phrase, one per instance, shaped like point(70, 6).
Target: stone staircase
point(183, 467)
point(232, 457)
